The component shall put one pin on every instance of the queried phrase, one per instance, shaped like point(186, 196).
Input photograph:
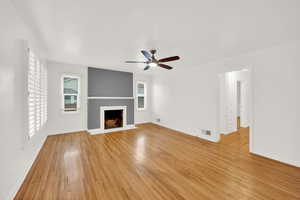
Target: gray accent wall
point(108, 83)
point(94, 110)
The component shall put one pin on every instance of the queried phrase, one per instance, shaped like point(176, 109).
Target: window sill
point(70, 112)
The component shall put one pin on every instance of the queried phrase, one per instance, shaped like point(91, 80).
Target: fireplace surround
point(112, 92)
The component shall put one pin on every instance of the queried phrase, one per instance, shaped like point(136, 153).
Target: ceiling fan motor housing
point(153, 51)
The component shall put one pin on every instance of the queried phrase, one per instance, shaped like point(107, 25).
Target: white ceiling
point(106, 33)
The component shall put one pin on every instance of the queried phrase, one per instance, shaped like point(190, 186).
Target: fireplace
point(113, 119)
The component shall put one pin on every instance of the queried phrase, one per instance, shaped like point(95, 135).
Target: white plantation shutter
point(37, 94)
point(44, 95)
point(31, 94)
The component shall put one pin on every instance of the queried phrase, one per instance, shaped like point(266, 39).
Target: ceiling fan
point(153, 62)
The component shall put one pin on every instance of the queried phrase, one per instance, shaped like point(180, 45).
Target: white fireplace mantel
point(105, 108)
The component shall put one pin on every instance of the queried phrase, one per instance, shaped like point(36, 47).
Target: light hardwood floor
point(155, 163)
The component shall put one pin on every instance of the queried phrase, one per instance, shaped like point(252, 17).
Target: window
point(141, 96)
point(71, 93)
point(37, 94)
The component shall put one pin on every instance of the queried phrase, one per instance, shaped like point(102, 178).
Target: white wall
point(17, 153)
point(187, 99)
point(276, 102)
point(58, 121)
point(143, 116)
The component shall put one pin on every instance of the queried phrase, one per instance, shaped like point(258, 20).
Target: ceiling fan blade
point(165, 66)
point(146, 54)
point(169, 59)
point(135, 62)
point(146, 68)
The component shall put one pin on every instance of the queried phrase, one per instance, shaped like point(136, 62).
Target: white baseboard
point(65, 132)
point(228, 131)
point(231, 131)
point(142, 122)
point(101, 131)
point(211, 138)
point(276, 158)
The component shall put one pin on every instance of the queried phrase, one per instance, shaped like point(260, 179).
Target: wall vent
point(206, 132)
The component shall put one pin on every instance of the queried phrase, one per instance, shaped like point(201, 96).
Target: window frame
point(141, 95)
point(63, 94)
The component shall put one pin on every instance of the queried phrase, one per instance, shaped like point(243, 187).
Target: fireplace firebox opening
point(113, 119)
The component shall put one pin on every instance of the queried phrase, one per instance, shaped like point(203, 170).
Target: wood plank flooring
point(155, 163)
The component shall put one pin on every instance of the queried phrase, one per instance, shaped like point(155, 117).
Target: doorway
point(235, 103)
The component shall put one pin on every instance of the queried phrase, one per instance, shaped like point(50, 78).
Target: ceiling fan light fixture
point(153, 64)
